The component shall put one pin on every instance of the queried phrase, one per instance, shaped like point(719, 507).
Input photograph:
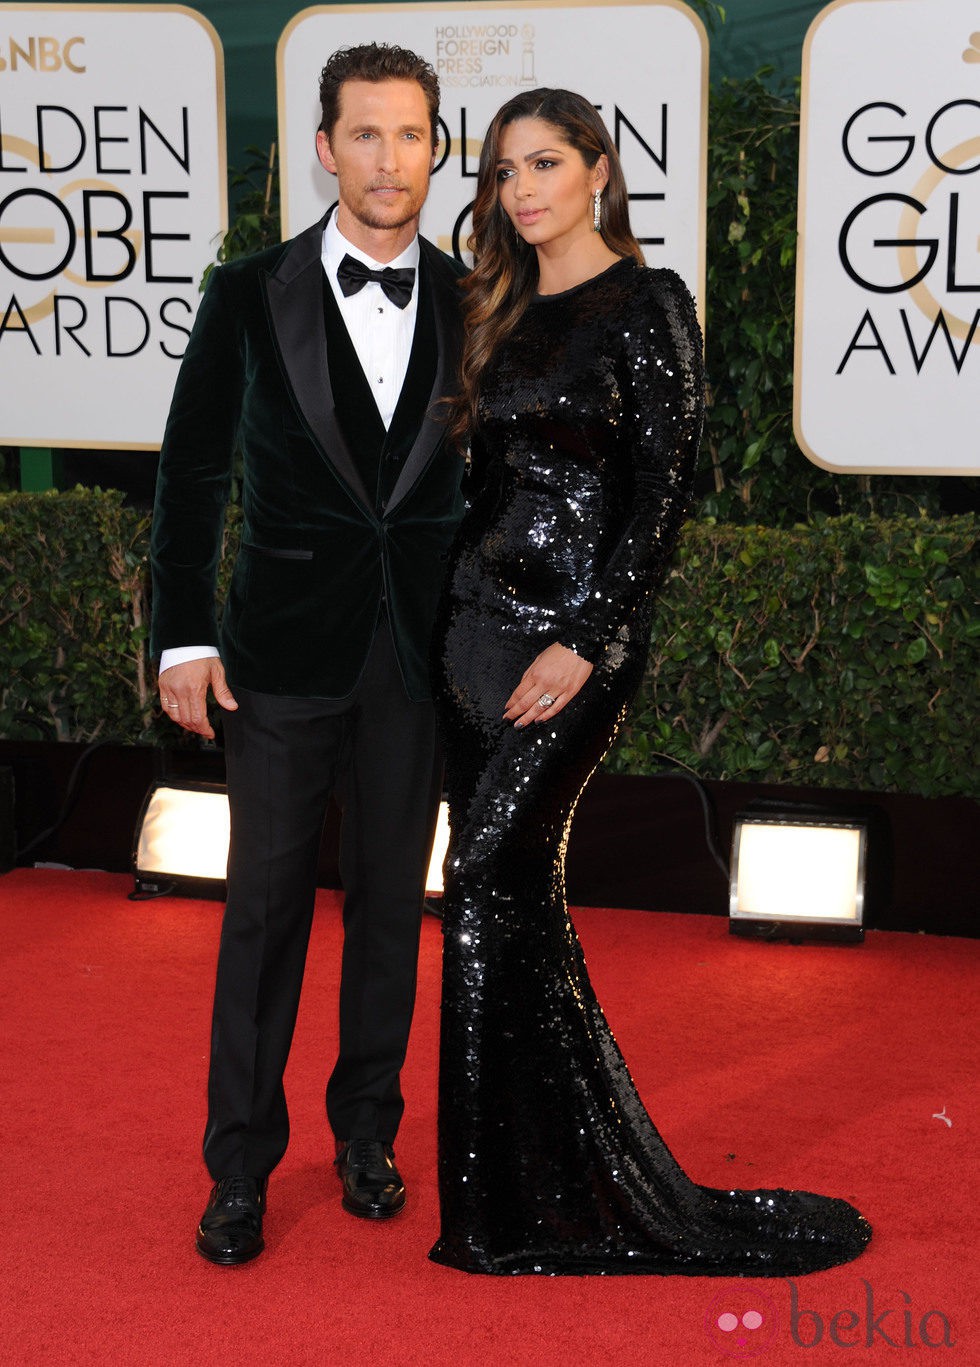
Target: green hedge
point(73, 618)
point(842, 654)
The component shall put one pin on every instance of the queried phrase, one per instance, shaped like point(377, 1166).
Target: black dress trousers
point(285, 757)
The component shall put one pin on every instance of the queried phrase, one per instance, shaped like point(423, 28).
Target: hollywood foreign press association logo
point(485, 55)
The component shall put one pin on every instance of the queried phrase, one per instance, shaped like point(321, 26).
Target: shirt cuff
point(181, 655)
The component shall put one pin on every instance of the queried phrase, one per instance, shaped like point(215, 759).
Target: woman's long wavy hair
point(505, 268)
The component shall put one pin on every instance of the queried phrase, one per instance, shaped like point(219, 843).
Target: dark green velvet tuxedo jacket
point(318, 548)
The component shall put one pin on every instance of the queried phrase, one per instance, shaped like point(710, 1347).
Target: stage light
point(433, 879)
point(181, 842)
point(797, 875)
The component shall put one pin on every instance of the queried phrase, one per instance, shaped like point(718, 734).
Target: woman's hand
point(557, 674)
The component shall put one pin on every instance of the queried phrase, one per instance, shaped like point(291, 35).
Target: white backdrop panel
point(112, 202)
point(887, 372)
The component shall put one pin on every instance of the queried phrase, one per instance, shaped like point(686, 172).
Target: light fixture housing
point(181, 840)
point(798, 875)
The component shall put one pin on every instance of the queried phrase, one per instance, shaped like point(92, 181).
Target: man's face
point(380, 150)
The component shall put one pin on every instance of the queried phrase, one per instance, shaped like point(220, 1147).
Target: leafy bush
point(74, 596)
point(845, 654)
point(842, 654)
point(73, 612)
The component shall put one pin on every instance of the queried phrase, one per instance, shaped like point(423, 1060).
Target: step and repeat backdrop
point(113, 194)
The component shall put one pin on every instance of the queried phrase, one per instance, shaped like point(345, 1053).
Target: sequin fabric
point(590, 418)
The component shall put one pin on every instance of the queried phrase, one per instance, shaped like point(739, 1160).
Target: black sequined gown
point(590, 417)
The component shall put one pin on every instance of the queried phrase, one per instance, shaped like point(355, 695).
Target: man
point(322, 359)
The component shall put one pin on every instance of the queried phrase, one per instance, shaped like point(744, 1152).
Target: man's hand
point(557, 674)
point(184, 693)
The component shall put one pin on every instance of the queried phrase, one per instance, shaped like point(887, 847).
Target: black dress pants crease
point(285, 757)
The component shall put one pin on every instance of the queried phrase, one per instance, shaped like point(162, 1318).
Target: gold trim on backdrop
point(801, 242)
point(907, 225)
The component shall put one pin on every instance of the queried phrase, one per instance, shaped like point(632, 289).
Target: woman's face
point(544, 185)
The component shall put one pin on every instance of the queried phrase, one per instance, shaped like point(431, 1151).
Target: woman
point(582, 395)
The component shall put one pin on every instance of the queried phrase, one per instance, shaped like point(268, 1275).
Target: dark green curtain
point(760, 33)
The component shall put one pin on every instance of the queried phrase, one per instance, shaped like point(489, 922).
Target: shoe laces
point(371, 1154)
point(363, 1151)
point(236, 1191)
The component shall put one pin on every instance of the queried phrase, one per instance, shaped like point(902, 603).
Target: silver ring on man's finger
point(173, 704)
point(546, 700)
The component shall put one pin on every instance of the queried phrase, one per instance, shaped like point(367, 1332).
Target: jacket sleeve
point(663, 411)
point(194, 476)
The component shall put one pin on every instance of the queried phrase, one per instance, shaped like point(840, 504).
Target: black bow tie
point(353, 275)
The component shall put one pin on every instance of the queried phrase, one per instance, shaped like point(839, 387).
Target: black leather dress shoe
point(373, 1187)
point(230, 1231)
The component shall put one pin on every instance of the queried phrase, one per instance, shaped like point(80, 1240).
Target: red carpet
point(812, 1066)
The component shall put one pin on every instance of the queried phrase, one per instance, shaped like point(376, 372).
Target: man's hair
point(375, 62)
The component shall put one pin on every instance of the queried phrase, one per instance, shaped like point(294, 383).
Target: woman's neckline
point(582, 284)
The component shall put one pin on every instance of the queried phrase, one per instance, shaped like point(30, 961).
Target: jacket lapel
point(448, 329)
point(294, 295)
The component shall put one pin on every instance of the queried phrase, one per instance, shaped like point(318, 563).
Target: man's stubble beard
point(382, 224)
point(377, 222)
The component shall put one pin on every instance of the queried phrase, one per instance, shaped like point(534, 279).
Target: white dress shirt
point(382, 335)
point(381, 332)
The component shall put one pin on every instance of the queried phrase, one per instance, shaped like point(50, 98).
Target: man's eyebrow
point(376, 128)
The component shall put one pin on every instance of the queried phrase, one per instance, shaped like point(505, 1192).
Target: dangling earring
point(596, 211)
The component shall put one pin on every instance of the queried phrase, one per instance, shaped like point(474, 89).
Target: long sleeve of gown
point(662, 385)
